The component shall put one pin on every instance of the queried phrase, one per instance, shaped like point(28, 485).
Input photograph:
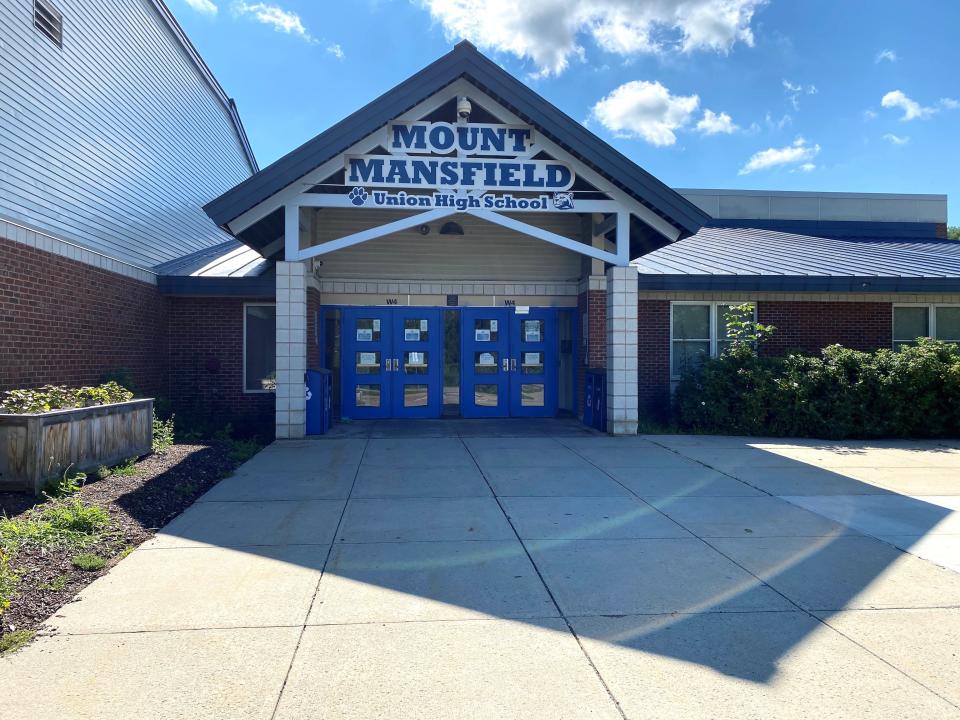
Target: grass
point(12, 641)
point(56, 585)
point(242, 450)
point(125, 469)
point(8, 581)
point(88, 561)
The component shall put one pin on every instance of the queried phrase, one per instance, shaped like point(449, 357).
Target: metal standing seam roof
point(748, 258)
point(228, 259)
point(467, 62)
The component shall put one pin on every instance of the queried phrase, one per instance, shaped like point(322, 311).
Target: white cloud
point(714, 124)
point(203, 6)
point(641, 109)
point(911, 108)
point(335, 50)
point(795, 91)
point(949, 103)
point(896, 139)
point(888, 55)
point(869, 114)
point(799, 153)
point(549, 32)
point(273, 15)
point(806, 167)
point(778, 124)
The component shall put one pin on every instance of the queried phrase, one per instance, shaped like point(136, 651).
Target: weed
point(55, 585)
point(242, 450)
point(126, 468)
point(88, 561)
point(185, 489)
point(67, 484)
point(102, 472)
point(162, 433)
point(12, 641)
point(8, 581)
point(76, 516)
point(126, 551)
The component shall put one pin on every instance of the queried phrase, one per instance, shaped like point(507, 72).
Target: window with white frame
point(259, 347)
point(697, 330)
point(910, 322)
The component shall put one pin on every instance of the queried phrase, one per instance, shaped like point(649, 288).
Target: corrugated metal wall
point(113, 142)
point(484, 252)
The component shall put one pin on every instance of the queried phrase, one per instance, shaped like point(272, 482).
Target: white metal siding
point(485, 252)
point(114, 142)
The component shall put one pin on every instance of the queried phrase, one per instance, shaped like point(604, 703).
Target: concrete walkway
point(528, 570)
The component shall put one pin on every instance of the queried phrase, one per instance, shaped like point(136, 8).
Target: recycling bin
point(595, 400)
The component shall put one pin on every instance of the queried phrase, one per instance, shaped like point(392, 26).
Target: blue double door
point(392, 362)
point(509, 362)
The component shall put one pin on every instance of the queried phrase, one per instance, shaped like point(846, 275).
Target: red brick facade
point(66, 322)
point(593, 353)
point(313, 332)
point(205, 358)
point(808, 327)
point(653, 358)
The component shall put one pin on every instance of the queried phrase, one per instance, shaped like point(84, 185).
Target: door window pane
point(948, 324)
point(414, 395)
point(531, 331)
point(687, 355)
point(531, 394)
point(486, 330)
point(485, 363)
point(485, 395)
point(691, 322)
point(531, 363)
point(260, 348)
point(415, 330)
point(368, 396)
point(368, 363)
point(368, 329)
point(909, 323)
point(415, 362)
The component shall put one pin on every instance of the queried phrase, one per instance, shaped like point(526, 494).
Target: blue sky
point(785, 95)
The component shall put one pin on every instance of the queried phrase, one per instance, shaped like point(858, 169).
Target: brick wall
point(653, 359)
point(313, 332)
point(67, 322)
point(594, 355)
point(808, 327)
point(205, 358)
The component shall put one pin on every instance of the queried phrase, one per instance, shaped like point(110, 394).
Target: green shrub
point(67, 484)
point(77, 517)
point(125, 469)
point(60, 397)
point(88, 561)
point(843, 393)
point(162, 433)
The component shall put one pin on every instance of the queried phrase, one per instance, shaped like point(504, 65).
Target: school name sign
point(487, 157)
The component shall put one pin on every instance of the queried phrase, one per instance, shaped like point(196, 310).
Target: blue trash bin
point(319, 401)
point(595, 400)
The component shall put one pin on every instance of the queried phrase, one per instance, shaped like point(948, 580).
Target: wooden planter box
point(36, 448)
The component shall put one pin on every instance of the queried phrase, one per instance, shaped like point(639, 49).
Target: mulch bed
point(163, 486)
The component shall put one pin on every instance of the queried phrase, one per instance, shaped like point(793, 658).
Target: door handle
point(513, 364)
point(388, 365)
point(506, 365)
point(396, 364)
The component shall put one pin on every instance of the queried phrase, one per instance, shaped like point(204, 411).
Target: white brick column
point(291, 349)
point(622, 351)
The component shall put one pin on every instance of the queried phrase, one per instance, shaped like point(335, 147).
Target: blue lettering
point(492, 140)
point(424, 172)
point(520, 137)
point(441, 137)
point(409, 137)
point(529, 176)
point(558, 176)
point(397, 174)
point(467, 137)
point(364, 171)
point(467, 172)
point(508, 174)
point(448, 173)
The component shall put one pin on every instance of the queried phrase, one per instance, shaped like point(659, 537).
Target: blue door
point(415, 377)
point(391, 363)
point(534, 371)
point(485, 362)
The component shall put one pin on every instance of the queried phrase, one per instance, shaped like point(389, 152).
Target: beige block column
point(622, 380)
point(291, 349)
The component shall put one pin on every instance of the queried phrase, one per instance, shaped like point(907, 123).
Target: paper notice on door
point(493, 325)
point(481, 335)
point(364, 334)
point(487, 359)
point(368, 358)
point(411, 335)
point(423, 326)
point(376, 325)
point(415, 358)
point(531, 330)
point(531, 359)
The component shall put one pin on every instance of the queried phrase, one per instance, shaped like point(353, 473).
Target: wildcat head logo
point(563, 200)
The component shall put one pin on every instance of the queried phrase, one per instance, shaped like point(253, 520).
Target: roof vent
point(48, 20)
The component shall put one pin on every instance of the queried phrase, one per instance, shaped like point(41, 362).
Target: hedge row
point(914, 392)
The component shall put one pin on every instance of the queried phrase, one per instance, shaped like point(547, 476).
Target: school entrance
point(471, 362)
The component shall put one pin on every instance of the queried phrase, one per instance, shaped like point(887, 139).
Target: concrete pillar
point(622, 366)
point(291, 349)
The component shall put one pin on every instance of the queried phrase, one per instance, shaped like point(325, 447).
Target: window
point(259, 348)
point(48, 20)
point(915, 321)
point(697, 330)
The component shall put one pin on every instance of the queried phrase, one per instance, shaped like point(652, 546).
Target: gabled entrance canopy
point(626, 202)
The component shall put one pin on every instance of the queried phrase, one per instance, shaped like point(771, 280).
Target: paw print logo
point(563, 200)
point(358, 196)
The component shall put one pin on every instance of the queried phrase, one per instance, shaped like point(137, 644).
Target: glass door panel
point(484, 390)
point(533, 363)
point(365, 338)
point(417, 367)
